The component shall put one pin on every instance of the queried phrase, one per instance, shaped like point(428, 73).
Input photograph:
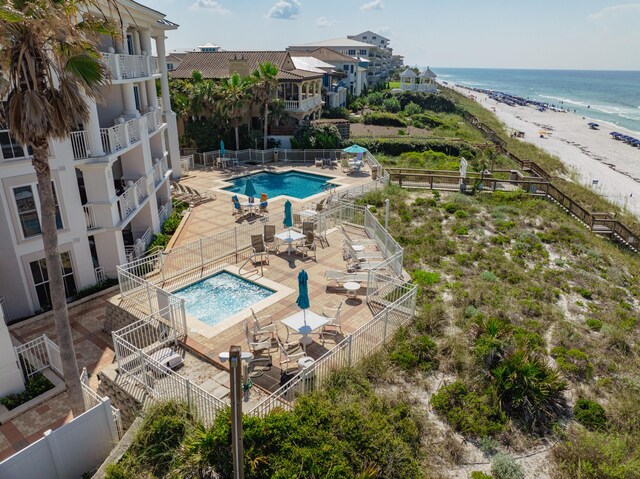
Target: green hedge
point(397, 146)
point(436, 103)
point(38, 384)
point(383, 119)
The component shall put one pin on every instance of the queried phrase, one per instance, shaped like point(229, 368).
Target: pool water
point(220, 296)
point(295, 184)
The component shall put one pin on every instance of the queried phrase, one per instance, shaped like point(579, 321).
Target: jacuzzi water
point(220, 296)
point(296, 184)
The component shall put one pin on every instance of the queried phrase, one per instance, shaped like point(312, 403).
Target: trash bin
point(306, 366)
point(276, 156)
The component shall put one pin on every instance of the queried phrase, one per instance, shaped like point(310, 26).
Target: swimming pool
point(220, 296)
point(295, 184)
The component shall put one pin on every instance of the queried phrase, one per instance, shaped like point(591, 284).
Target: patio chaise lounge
point(340, 277)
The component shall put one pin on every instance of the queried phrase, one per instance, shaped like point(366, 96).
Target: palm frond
point(86, 68)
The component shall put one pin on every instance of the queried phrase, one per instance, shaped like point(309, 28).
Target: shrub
point(504, 466)
point(480, 475)
point(425, 278)
point(171, 224)
point(488, 445)
point(436, 103)
point(383, 119)
point(468, 412)
point(590, 414)
point(316, 135)
point(391, 105)
point(573, 362)
point(428, 120)
point(528, 389)
point(414, 353)
point(401, 132)
point(461, 214)
point(460, 230)
point(35, 386)
point(451, 207)
point(412, 108)
point(375, 99)
point(594, 324)
point(397, 146)
point(336, 113)
point(488, 276)
point(585, 293)
point(159, 240)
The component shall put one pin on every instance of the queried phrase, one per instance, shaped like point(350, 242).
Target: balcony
point(133, 195)
point(303, 105)
point(127, 67)
point(117, 137)
point(159, 171)
point(90, 217)
point(137, 249)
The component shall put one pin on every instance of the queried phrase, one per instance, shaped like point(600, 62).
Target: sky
point(554, 34)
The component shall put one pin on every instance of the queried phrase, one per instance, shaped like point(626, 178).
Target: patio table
point(305, 322)
point(251, 206)
point(289, 237)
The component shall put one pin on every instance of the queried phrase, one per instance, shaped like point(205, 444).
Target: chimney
point(239, 66)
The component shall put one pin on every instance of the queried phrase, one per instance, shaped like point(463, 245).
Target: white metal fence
point(37, 355)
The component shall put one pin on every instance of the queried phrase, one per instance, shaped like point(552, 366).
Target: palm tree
point(264, 86)
point(47, 59)
point(234, 98)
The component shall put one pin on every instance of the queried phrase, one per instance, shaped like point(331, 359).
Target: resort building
point(110, 177)
point(299, 89)
point(371, 50)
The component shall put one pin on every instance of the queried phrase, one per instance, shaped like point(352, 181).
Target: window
point(351, 52)
point(29, 210)
point(11, 148)
point(374, 38)
point(364, 38)
point(41, 279)
point(351, 68)
point(170, 66)
point(136, 97)
point(345, 68)
point(130, 43)
point(363, 52)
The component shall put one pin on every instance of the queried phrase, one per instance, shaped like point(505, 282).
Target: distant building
point(110, 177)
point(371, 51)
point(300, 89)
point(424, 82)
point(208, 48)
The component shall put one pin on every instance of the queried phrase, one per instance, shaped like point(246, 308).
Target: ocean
point(611, 96)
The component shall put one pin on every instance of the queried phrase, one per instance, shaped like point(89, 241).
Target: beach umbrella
point(355, 149)
point(249, 190)
point(288, 217)
point(222, 148)
point(303, 292)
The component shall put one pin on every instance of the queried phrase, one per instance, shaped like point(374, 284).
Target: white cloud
point(373, 5)
point(211, 6)
point(384, 31)
point(324, 22)
point(615, 10)
point(285, 10)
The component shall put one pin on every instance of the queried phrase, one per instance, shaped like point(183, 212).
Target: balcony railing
point(80, 144)
point(154, 120)
point(125, 67)
point(164, 211)
point(159, 170)
point(129, 201)
point(90, 217)
point(137, 250)
point(303, 105)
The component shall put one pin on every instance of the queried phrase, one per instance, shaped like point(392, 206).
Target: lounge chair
point(308, 247)
point(270, 237)
point(333, 327)
point(349, 251)
point(320, 205)
point(364, 265)
point(355, 167)
point(340, 277)
point(259, 249)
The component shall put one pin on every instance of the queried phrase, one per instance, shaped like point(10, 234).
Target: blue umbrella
point(355, 149)
point(222, 148)
point(303, 294)
point(249, 190)
point(288, 217)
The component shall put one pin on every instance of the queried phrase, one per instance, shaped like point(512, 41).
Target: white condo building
point(111, 176)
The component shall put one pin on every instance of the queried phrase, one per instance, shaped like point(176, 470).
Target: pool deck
point(214, 216)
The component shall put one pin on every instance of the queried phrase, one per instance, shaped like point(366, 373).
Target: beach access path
point(607, 166)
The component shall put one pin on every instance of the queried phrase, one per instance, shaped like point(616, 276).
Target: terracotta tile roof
point(216, 64)
point(324, 54)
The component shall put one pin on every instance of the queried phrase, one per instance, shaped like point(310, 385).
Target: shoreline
point(597, 161)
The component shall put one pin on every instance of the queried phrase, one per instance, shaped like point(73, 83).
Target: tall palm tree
point(234, 99)
point(264, 86)
point(47, 59)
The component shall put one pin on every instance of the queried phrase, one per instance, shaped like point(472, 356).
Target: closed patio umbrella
point(249, 190)
point(303, 292)
point(288, 217)
point(221, 148)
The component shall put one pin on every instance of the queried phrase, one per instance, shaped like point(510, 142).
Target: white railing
point(165, 211)
point(101, 276)
point(114, 138)
point(133, 130)
point(303, 105)
point(127, 203)
point(80, 144)
point(91, 399)
point(124, 67)
point(5, 309)
point(160, 169)
point(154, 120)
point(155, 69)
point(186, 163)
point(37, 355)
point(89, 216)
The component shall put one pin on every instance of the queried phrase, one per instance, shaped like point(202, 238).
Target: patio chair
point(297, 220)
point(333, 327)
point(349, 251)
point(355, 167)
point(237, 207)
point(257, 343)
point(267, 326)
point(340, 277)
point(320, 205)
point(259, 249)
point(289, 353)
point(264, 207)
point(270, 238)
point(308, 227)
point(308, 247)
point(319, 162)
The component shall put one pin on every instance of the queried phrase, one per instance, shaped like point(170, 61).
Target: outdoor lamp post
point(235, 356)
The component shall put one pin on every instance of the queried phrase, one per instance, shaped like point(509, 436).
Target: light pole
point(235, 356)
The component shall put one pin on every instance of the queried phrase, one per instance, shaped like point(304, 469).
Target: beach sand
point(605, 165)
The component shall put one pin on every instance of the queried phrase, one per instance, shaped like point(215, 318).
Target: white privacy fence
point(92, 399)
